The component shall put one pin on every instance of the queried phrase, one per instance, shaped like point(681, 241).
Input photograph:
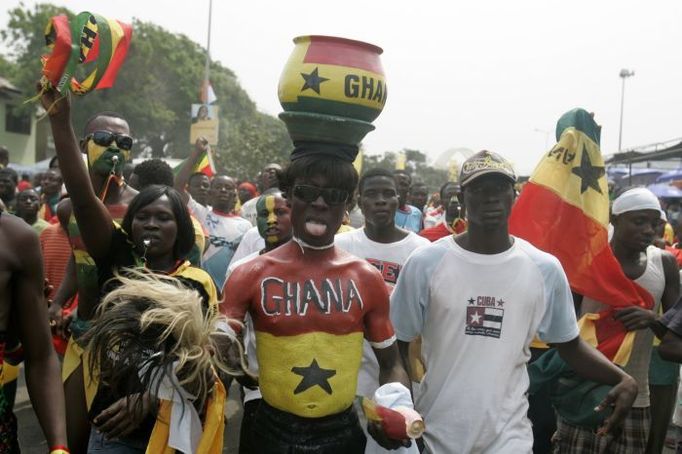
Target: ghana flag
point(203, 165)
point(89, 38)
point(333, 76)
point(564, 210)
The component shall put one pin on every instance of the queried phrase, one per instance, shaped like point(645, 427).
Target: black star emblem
point(589, 174)
point(500, 303)
point(313, 375)
point(471, 300)
point(313, 81)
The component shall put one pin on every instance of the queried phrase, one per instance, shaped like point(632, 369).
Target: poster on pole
point(204, 123)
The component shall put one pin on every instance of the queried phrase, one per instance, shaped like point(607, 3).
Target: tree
point(416, 166)
point(155, 88)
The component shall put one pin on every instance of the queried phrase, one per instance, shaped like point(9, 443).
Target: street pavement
point(32, 441)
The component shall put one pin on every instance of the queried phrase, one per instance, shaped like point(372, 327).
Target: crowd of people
point(147, 292)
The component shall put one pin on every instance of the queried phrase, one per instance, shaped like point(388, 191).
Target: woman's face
point(155, 224)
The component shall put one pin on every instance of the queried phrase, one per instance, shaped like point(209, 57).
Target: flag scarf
point(89, 38)
point(564, 210)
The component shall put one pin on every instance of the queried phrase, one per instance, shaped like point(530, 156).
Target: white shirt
point(251, 242)
point(248, 210)
point(224, 234)
point(477, 315)
point(388, 258)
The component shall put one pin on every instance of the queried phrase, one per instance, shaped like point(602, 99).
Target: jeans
point(98, 444)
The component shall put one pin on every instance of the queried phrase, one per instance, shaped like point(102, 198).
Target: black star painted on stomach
point(589, 174)
point(313, 81)
point(313, 375)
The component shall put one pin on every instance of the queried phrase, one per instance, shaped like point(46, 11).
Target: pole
point(622, 100)
point(208, 47)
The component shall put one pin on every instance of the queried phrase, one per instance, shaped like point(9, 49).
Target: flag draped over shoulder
point(564, 210)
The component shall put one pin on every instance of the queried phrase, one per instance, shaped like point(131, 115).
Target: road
point(32, 441)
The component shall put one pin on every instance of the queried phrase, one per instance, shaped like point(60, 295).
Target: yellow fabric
point(199, 237)
point(551, 173)
point(537, 343)
point(76, 356)
point(211, 441)
point(202, 277)
point(668, 234)
point(345, 228)
point(9, 373)
point(278, 355)
point(588, 333)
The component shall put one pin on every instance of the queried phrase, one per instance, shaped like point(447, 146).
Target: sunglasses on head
point(105, 138)
point(331, 196)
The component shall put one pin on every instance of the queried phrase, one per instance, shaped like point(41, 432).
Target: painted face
point(155, 223)
point(28, 202)
point(317, 221)
point(636, 230)
point(273, 218)
point(489, 200)
point(106, 143)
point(223, 193)
point(379, 201)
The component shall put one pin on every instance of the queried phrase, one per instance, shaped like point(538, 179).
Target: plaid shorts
point(630, 439)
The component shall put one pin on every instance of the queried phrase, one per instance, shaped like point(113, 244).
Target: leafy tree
point(154, 89)
point(415, 165)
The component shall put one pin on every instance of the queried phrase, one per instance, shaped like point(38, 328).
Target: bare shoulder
point(64, 211)
point(20, 238)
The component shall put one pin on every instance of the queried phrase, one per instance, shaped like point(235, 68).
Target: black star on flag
point(589, 174)
point(313, 81)
point(313, 375)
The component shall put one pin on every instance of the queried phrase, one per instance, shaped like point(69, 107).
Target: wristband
point(59, 449)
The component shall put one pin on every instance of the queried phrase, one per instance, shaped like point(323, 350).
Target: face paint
point(106, 159)
point(266, 217)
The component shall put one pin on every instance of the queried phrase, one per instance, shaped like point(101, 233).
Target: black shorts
point(279, 432)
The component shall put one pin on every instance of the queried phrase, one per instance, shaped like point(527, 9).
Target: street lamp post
point(624, 74)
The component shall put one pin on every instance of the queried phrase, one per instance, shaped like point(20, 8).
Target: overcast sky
point(483, 74)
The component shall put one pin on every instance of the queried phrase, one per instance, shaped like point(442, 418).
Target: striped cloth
point(632, 437)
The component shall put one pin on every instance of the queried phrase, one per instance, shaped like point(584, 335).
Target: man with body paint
point(107, 143)
point(273, 219)
point(312, 304)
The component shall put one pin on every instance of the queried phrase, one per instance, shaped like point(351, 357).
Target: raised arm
point(181, 179)
point(43, 377)
point(94, 220)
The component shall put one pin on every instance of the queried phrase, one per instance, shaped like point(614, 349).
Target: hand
point(201, 145)
point(635, 317)
point(377, 432)
point(123, 416)
point(621, 398)
point(54, 103)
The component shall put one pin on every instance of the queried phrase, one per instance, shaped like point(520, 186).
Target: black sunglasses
point(331, 196)
point(105, 138)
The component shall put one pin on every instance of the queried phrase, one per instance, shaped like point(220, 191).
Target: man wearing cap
point(635, 216)
point(478, 299)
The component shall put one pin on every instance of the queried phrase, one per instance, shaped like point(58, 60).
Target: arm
point(590, 364)
point(181, 179)
point(67, 290)
point(671, 347)
point(43, 378)
point(635, 317)
point(94, 220)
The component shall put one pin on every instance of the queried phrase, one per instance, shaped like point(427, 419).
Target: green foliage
point(154, 90)
point(415, 165)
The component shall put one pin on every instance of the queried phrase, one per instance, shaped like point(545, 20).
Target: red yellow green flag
point(564, 210)
point(89, 38)
point(203, 165)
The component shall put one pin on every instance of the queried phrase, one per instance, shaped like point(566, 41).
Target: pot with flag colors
point(331, 89)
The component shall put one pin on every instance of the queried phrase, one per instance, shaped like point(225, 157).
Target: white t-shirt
point(388, 258)
point(248, 210)
point(251, 242)
point(249, 333)
point(224, 234)
point(477, 315)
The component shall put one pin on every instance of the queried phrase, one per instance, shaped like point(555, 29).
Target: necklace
point(302, 244)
